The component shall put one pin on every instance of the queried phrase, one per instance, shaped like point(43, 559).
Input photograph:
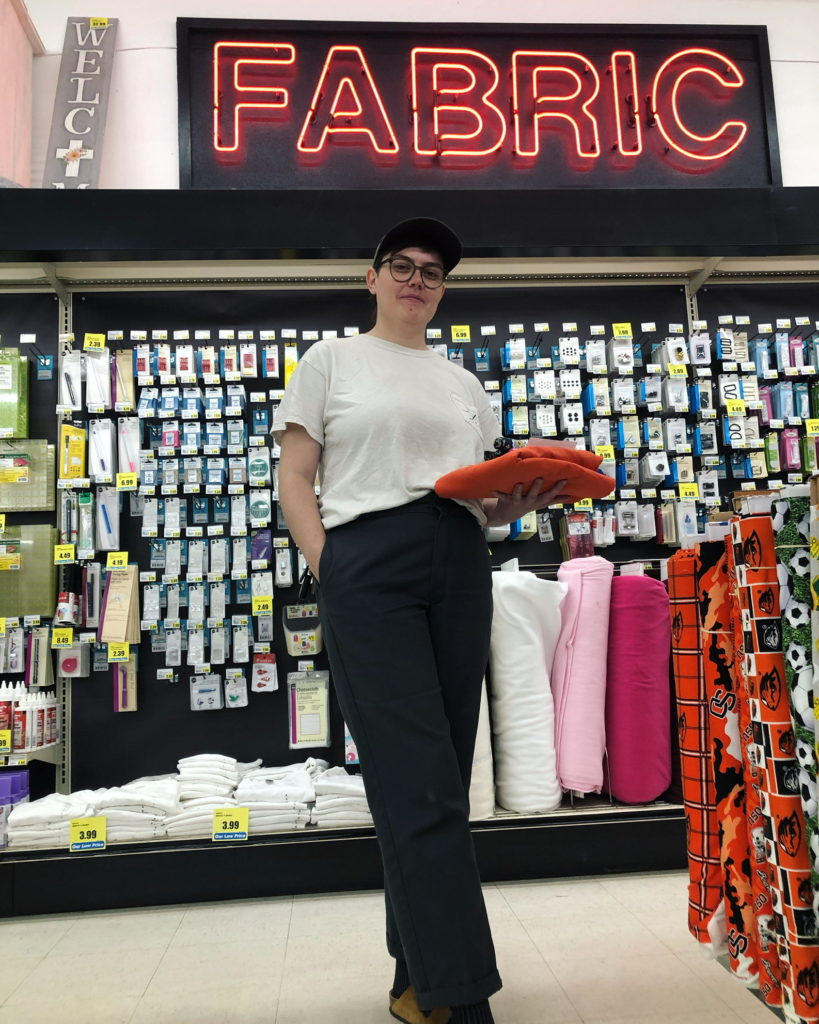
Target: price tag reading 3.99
point(230, 824)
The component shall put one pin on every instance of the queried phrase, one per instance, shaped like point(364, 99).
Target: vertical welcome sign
point(81, 104)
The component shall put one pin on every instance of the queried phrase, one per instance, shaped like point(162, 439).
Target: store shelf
point(560, 844)
point(52, 755)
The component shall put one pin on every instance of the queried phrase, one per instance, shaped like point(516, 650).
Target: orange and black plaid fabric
point(699, 796)
point(761, 872)
point(785, 838)
point(726, 759)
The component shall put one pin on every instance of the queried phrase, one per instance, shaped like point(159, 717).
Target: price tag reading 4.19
point(87, 834)
point(117, 560)
point(230, 824)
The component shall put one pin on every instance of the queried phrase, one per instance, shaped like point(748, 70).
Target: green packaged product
point(13, 393)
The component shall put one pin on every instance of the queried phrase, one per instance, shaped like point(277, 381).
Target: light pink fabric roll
point(579, 674)
point(638, 711)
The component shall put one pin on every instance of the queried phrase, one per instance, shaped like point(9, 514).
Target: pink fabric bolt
point(579, 674)
point(638, 699)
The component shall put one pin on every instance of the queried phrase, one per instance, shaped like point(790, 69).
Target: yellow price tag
point(9, 562)
point(3, 522)
point(127, 482)
point(117, 560)
point(62, 636)
point(584, 504)
point(64, 553)
point(735, 406)
point(87, 834)
point(460, 332)
point(689, 490)
point(622, 331)
point(98, 23)
point(605, 451)
point(677, 370)
point(5, 741)
point(93, 341)
point(2, 627)
point(119, 652)
point(812, 427)
point(263, 605)
point(231, 824)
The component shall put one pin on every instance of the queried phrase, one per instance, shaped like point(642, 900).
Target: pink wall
point(15, 95)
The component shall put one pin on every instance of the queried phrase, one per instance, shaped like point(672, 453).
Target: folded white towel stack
point(340, 800)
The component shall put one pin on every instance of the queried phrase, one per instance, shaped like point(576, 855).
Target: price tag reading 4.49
point(63, 554)
point(460, 332)
point(87, 834)
point(117, 560)
point(263, 605)
point(230, 824)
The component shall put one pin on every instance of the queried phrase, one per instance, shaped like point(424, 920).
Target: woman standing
point(405, 598)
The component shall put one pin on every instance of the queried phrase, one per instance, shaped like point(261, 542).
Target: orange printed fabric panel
point(785, 837)
point(699, 797)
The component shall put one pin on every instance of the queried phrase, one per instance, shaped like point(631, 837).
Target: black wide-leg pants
point(405, 600)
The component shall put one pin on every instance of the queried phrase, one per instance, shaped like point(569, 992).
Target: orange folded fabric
point(524, 466)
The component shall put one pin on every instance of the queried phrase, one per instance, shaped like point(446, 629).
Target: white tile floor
point(609, 951)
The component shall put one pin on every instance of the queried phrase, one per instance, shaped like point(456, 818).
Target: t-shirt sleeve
point(303, 402)
point(490, 429)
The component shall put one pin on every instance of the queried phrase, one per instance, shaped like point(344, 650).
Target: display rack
point(72, 244)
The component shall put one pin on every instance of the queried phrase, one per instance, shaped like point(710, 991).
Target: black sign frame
point(195, 108)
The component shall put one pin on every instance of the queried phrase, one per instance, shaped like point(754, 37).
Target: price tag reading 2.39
point(230, 824)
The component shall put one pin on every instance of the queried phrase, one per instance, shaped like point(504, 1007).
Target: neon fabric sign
point(335, 107)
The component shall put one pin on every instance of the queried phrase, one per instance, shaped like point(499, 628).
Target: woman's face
point(409, 302)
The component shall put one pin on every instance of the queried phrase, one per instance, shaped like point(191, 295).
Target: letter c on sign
point(715, 68)
point(70, 127)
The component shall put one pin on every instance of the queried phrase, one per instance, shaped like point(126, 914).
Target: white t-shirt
point(391, 420)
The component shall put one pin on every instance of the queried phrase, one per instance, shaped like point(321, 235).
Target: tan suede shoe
point(405, 1008)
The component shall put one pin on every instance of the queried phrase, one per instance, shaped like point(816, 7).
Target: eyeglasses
point(403, 269)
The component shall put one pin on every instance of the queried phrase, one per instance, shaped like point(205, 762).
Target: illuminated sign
point(311, 105)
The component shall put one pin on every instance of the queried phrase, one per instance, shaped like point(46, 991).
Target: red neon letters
point(470, 124)
point(233, 64)
point(462, 107)
point(356, 108)
point(554, 85)
point(668, 83)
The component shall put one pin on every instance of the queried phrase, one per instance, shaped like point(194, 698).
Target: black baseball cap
point(426, 233)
